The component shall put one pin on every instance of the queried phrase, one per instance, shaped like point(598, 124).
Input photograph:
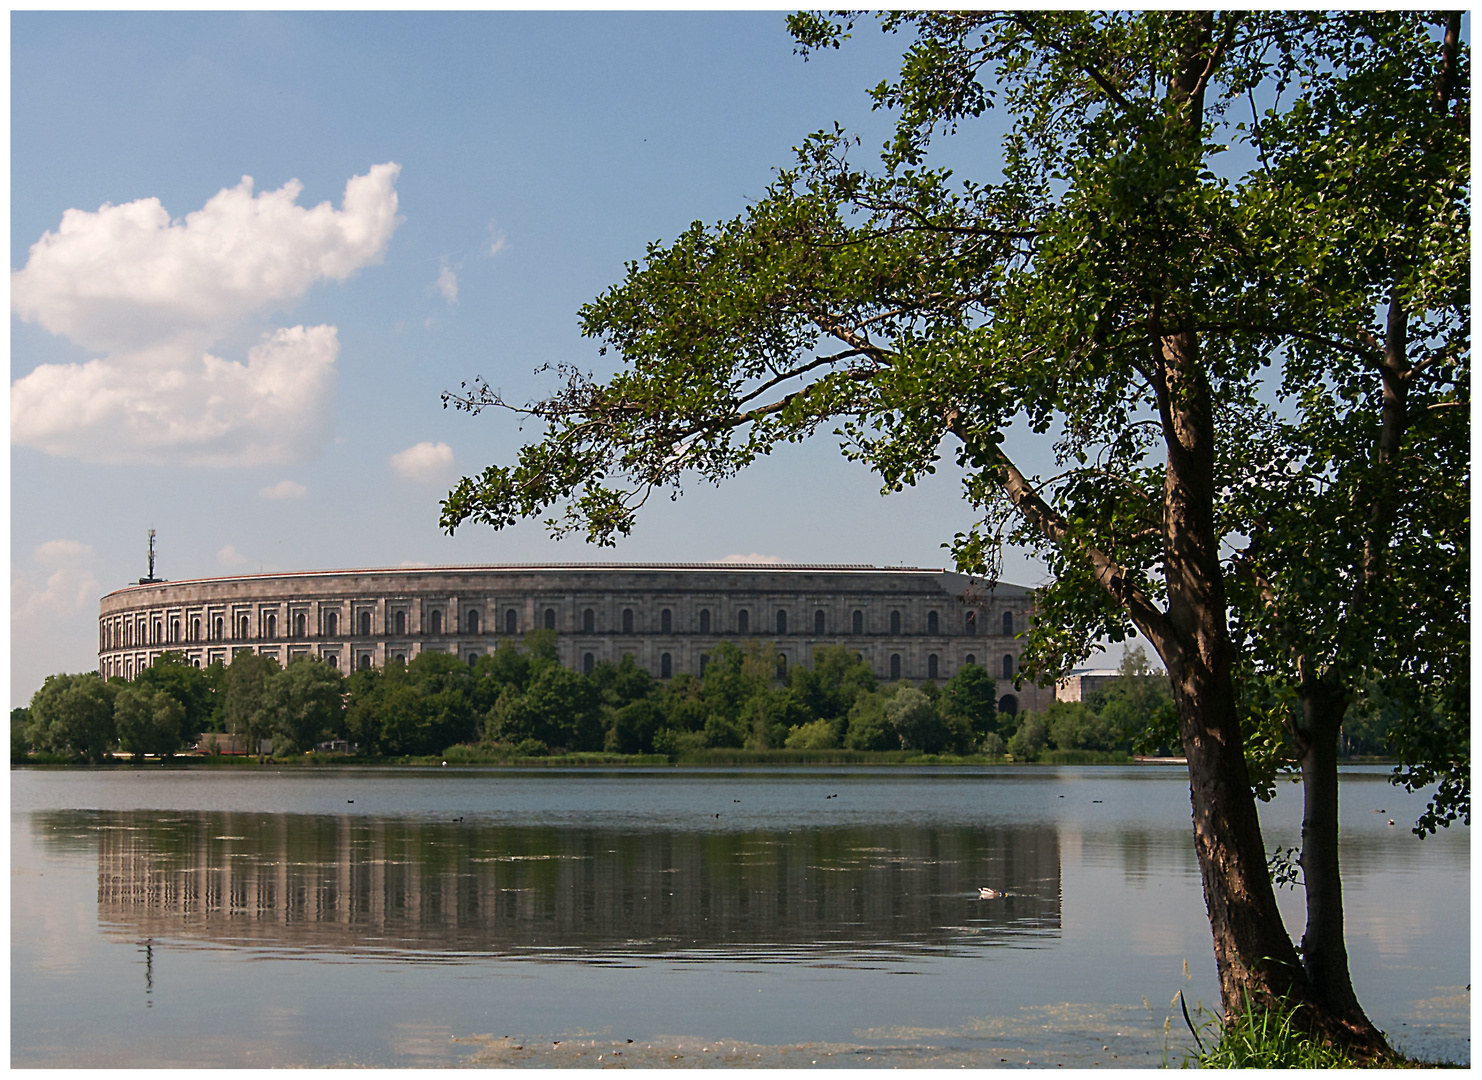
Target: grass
point(1270, 1039)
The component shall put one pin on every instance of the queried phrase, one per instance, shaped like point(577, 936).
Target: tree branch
point(1114, 578)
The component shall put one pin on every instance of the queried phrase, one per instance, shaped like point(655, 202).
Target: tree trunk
point(1324, 954)
point(1254, 955)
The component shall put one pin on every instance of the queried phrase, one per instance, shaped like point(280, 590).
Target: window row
point(132, 632)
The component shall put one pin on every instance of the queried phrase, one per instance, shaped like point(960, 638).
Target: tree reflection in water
point(425, 890)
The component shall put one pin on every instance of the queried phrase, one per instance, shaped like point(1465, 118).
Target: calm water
point(544, 917)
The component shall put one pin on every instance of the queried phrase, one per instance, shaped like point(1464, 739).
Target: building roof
point(734, 567)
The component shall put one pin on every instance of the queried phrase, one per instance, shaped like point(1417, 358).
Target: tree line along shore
point(521, 704)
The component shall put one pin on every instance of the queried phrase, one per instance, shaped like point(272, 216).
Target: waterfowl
point(985, 893)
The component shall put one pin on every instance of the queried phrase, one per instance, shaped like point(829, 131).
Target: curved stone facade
point(906, 623)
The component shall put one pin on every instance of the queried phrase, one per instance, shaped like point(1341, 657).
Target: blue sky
point(462, 184)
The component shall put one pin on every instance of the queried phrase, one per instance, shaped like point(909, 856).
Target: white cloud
point(274, 409)
point(63, 553)
point(497, 241)
point(428, 462)
point(230, 556)
point(283, 489)
point(69, 589)
point(752, 558)
point(155, 294)
point(447, 284)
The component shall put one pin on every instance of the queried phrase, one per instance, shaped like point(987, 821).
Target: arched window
point(588, 621)
point(332, 623)
point(704, 659)
point(857, 623)
point(627, 620)
point(272, 626)
point(365, 623)
point(1008, 624)
point(400, 658)
point(472, 659)
point(588, 662)
point(300, 625)
point(1008, 705)
point(742, 619)
point(895, 623)
point(195, 629)
point(364, 661)
point(818, 622)
point(436, 624)
point(216, 630)
point(243, 627)
point(782, 622)
point(550, 618)
point(970, 624)
point(401, 623)
point(666, 622)
point(895, 666)
point(969, 659)
point(334, 661)
point(666, 666)
point(174, 629)
point(704, 621)
point(931, 666)
point(473, 622)
point(154, 632)
point(195, 662)
point(1008, 666)
point(511, 621)
point(932, 625)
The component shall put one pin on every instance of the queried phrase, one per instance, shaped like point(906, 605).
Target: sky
point(249, 252)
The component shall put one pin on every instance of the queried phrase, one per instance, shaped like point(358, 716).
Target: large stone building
point(906, 623)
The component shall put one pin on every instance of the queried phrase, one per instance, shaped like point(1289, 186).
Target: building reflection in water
point(354, 885)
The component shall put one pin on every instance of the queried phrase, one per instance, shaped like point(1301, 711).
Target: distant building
point(1082, 682)
point(906, 623)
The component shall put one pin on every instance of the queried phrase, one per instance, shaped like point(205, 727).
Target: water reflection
point(419, 890)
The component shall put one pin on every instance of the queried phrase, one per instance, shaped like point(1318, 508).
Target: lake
point(678, 917)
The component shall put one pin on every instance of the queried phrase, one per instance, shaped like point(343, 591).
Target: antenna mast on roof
point(151, 579)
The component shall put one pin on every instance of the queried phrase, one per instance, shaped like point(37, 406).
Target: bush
point(869, 729)
point(816, 735)
point(992, 745)
point(1030, 739)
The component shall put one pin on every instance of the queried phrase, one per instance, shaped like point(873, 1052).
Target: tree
point(1111, 289)
point(148, 721)
point(74, 714)
point(246, 707)
point(20, 734)
point(972, 695)
point(307, 702)
point(918, 724)
point(172, 673)
point(1355, 582)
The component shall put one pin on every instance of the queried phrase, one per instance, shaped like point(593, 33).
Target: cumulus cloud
point(230, 556)
point(752, 558)
point(447, 284)
point(283, 489)
point(427, 462)
point(70, 587)
point(63, 553)
point(155, 294)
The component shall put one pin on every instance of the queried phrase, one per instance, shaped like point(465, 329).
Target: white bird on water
point(985, 893)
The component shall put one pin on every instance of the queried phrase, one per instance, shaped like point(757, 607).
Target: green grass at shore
point(507, 756)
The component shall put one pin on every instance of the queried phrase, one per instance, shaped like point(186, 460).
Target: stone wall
point(906, 623)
